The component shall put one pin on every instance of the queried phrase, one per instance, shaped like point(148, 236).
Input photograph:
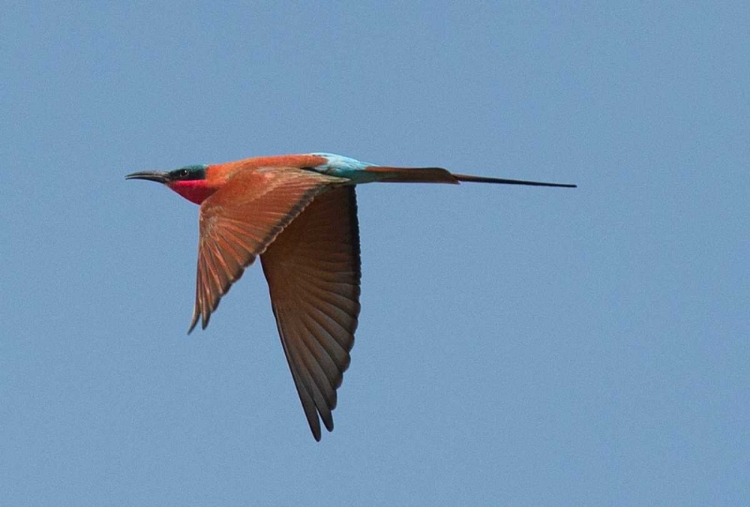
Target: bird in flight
point(299, 214)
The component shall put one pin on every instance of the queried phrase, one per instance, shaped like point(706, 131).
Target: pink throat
point(195, 191)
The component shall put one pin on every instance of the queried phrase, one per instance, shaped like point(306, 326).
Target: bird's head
point(191, 182)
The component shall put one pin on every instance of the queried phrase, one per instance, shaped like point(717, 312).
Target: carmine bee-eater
point(299, 214)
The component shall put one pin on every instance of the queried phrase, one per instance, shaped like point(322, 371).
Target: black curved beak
point(158, 176)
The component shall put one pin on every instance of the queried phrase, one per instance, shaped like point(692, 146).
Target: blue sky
point(521, 346)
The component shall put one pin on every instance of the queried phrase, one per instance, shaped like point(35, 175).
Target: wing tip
point(193, 322)
point(198, 316)
point(316, 434)
point(315, 426)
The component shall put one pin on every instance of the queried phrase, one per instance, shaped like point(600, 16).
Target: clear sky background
point(517, 345)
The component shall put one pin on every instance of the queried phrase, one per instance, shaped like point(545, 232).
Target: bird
point(298, 213)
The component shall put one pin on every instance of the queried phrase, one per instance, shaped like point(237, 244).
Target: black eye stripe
point(188, 173)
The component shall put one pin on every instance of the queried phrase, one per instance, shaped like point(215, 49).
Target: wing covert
point(240, 220)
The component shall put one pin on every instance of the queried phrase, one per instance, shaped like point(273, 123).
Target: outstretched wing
point(240, 220)
point(313, 272)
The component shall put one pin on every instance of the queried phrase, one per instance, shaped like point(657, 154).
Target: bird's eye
point(184, 173)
